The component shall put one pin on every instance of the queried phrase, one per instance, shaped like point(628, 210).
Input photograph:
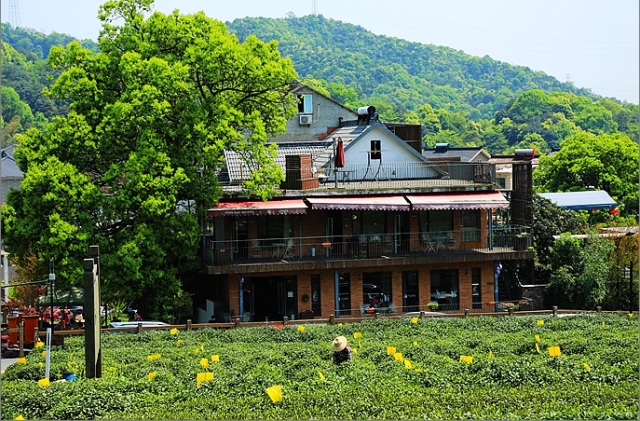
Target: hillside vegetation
point(402, 73)
point(458, 99)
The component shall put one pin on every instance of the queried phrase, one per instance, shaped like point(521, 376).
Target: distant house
point(444, 152)
point(582, 200)
point(11, 176)
point(504, 165)
point(382, 217)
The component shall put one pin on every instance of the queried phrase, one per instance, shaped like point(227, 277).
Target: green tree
point(133, 166)
point(586, 161)
point(550, 220)
point(579, 271)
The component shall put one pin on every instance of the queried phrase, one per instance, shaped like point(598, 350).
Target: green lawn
point(594, 377)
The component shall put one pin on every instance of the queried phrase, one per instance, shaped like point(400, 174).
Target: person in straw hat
point(341, 350)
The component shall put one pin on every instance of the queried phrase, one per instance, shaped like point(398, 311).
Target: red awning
point(478, 200)
point(387, 203)
point(272, 207)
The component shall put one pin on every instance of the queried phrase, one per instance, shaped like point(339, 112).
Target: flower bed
point(507, 372)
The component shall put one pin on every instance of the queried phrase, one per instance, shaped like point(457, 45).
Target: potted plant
point(522, 241)
point(374, 246)
point(306, 314)
point(432, 306)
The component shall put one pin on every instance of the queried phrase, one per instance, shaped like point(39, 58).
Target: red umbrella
point(340, 154)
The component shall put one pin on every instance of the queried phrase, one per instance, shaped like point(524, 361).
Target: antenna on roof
point(14, 13)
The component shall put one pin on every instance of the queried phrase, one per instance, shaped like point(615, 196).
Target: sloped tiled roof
point(10, 168)
point(464, 154)
point(237, 170)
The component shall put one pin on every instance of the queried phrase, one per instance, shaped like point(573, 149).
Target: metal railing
point(365, 246)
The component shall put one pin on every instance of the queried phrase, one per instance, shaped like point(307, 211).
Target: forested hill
point(402, 73)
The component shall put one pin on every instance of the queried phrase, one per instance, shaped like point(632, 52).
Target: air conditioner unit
point(306, 119)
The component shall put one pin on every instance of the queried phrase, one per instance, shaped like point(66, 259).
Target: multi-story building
point(362, 219)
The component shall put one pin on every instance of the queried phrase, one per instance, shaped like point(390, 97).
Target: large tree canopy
point(587, 161)
point(150, 116)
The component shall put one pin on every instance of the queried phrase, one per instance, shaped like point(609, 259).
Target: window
point(437, 221)
point(376, 288)
point(273, 228)
point(444, 289)
point(376, 150)
point(315, 295)
point(502, 182)
point(344, 295)
point(305, 103)
point(410, 291)
point(369, 223)
point(469, 225)
point(476, 288)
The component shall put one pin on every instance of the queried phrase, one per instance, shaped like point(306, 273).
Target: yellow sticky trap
point(19, 418)
point(300, 328)
point(44, 354)
point(397, 356)
point(415, 343)
point(490, 355)
point(275, 393)
point(39, 344)
point(414, 320)
point(554, 351)
point(174, 331)
point(537, 338)
point(407, 365)
point(43, 382)
point(153, 357)
point(391, 350)
point(540, 322)
point(203, 377)
point(215, 359)
point(204, 363)
point(537, 348)
point(22, 360)
point(586, 367)
point(152, 375)
point(466, 359)
point(354, 350)
point(357, 335)
point(321, 375)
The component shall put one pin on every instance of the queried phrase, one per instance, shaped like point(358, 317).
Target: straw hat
point(339, 344)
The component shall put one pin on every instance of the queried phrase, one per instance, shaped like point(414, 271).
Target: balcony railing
point(390, 175)
point(366, 246)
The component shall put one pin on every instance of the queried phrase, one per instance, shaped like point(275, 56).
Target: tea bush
point(595, 377)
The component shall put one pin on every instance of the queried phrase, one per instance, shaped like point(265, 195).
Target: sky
point(592, 43)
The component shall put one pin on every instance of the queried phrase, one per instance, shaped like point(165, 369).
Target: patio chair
point(427, 244)
point(287, 254)
point(256, 250)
